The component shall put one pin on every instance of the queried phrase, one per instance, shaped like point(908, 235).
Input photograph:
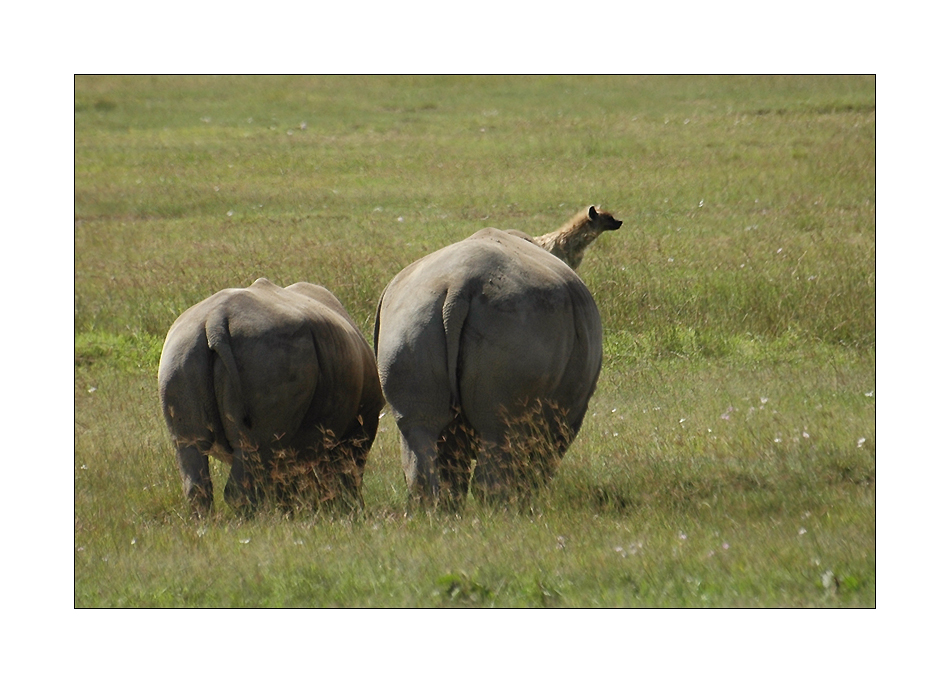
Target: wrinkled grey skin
point(250, 373)
point(488, 349)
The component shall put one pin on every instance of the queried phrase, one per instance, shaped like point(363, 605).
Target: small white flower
point(700, 201)
point(861, 442)
point(725, 546)
point(802, 531)
point(869, 394)
point(400, 219)
point(805, 435)
point(230, 213)
point(828, 579)
point(245, 541)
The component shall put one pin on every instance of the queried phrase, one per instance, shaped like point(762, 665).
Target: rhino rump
point(263, 370)
point(482, 333)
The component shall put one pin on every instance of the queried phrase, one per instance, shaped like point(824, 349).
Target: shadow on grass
point(781, 482)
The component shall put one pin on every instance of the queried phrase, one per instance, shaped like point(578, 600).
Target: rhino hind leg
point(348, 490)
point(458, 448)
point(360, 443)
point(522, 459)
point(511, 479)
point(420, 458)
point(326, 485)
point(340, 479)
point(196, 477)
point(340, 467)
point(323, 472)
point(244, 488)
point(493, 477)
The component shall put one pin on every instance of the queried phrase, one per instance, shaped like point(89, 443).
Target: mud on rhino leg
point(196, 477)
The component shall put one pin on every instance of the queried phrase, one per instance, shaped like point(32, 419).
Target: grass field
point(728, 457)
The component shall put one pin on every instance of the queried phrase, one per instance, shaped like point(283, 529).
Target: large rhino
point(280, 384)
point(489, 350)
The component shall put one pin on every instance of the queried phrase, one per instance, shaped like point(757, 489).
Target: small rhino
point(277, 382)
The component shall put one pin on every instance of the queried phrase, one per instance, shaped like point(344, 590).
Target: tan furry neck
point(570, 240)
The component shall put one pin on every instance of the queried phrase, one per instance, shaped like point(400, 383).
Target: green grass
point(728, 457)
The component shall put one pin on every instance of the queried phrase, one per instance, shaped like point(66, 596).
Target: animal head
point(570, 240)
point(601, 221)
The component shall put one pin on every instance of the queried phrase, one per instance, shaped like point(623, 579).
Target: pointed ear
point(592, 213)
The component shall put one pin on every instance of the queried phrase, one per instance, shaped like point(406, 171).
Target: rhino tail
point(230, 396)
point(454, 313)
